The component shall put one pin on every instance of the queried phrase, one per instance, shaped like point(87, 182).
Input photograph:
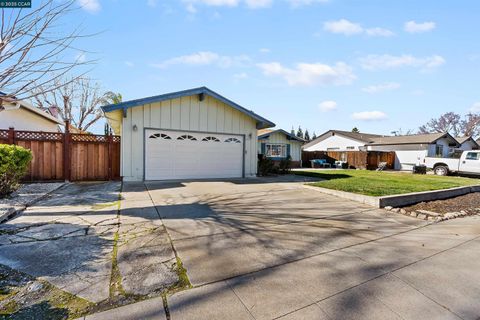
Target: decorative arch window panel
point(187, 137)
point(275, 150)
point(160, 136)
point(214, 139)
point(233, 140)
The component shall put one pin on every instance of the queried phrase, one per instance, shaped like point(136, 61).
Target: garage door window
point(211, 139)
point(276, 150)
point(233, 140)
point(161, 136)
point(187, 137)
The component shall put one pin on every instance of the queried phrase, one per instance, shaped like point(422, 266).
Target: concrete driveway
point(266, 249)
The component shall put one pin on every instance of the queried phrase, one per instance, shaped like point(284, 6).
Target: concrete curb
point(4, 217)
point(400, 199)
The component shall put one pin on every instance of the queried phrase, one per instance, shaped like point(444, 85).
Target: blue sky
point(322, 64)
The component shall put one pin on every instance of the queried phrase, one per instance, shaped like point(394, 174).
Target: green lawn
point(374, 183)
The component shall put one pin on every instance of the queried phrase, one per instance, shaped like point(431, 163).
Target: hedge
point(14, 161)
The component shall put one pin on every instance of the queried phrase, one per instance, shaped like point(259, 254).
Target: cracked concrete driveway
point(86, 241)
point(257, 250)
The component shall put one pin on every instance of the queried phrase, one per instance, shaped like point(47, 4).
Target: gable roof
point(262, 134)
point(428, 138)
point(261, 122)
point(13, 104)
point(462, 140)
point(358, 136)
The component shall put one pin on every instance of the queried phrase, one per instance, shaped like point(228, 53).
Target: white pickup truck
point(469, 163)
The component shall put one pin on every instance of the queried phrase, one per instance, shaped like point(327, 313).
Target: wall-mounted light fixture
point(250, 135)
point(135, 128)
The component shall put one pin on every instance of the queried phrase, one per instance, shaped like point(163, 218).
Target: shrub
point(285, 165)
point(14, 161)
point(265, 166)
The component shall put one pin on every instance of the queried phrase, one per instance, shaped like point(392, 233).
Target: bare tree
point(35, 51)
point(78, 100)
point(449, 122)
point(401, 132)
point(471, 125)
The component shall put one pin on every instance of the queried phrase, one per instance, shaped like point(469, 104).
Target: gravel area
point(26, 195)
point(469, 203)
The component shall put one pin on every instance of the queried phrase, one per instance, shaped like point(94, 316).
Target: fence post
point(11, 135)
point(110, 156)
point(66, 152)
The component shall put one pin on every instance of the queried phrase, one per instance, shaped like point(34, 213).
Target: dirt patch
point(469, 203)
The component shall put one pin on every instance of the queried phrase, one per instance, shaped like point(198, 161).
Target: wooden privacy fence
point(355, 159)
point(66, 156)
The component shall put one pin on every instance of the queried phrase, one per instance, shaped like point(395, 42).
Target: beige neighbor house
point(279, 144)
point(20, 115)
point(191, 134)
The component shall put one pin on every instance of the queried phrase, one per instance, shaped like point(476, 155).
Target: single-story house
point(337, 140)
point(190, 134)
point(278, 144)
point(468, 143)
point(409, 150)
point(22, 116)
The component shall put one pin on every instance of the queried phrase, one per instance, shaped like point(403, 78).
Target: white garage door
point(192, 155)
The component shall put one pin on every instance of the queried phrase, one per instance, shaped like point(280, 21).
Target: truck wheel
point(441, 171)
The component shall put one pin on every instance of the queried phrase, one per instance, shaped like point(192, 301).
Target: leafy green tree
point(355, 129)
point(314, 136)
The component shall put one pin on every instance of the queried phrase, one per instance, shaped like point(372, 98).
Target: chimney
point(53, 110)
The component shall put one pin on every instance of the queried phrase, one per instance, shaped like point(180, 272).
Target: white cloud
point(369, 115)
point(475, 108)
point(255, 4)
point(386, 61)
point(241, 75)
point(129, 64)
point(307, 74)
point(414, 27)
point(381, 87)
point(379, 32)
point(343, 26)
point(80, 57)
point(91, 6)
point(328, 105)
point(264, 50)
point(349, 28)
point(204, 58)
point(300, 3)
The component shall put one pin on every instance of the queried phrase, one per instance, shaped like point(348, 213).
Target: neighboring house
point(411, 150)
point(189, 134)
point(278, 144)
point(23, 116)
point(468, 143)
point(337, 140)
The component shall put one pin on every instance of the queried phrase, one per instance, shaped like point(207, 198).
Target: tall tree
point(292, 131)
point(36, 48)
point(471, 125)
point(77, 100)
point(314, 136)
point(307, 135)
point(111, 97)
point(401, 132)
point(300, 132)
point(448, 122)
point(355, 129)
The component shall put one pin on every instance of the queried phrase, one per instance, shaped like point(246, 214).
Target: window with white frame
point(276, 150)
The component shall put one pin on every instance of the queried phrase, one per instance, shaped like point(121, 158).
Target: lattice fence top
point(38, 136)
point(4, 134)
point(92, 138)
